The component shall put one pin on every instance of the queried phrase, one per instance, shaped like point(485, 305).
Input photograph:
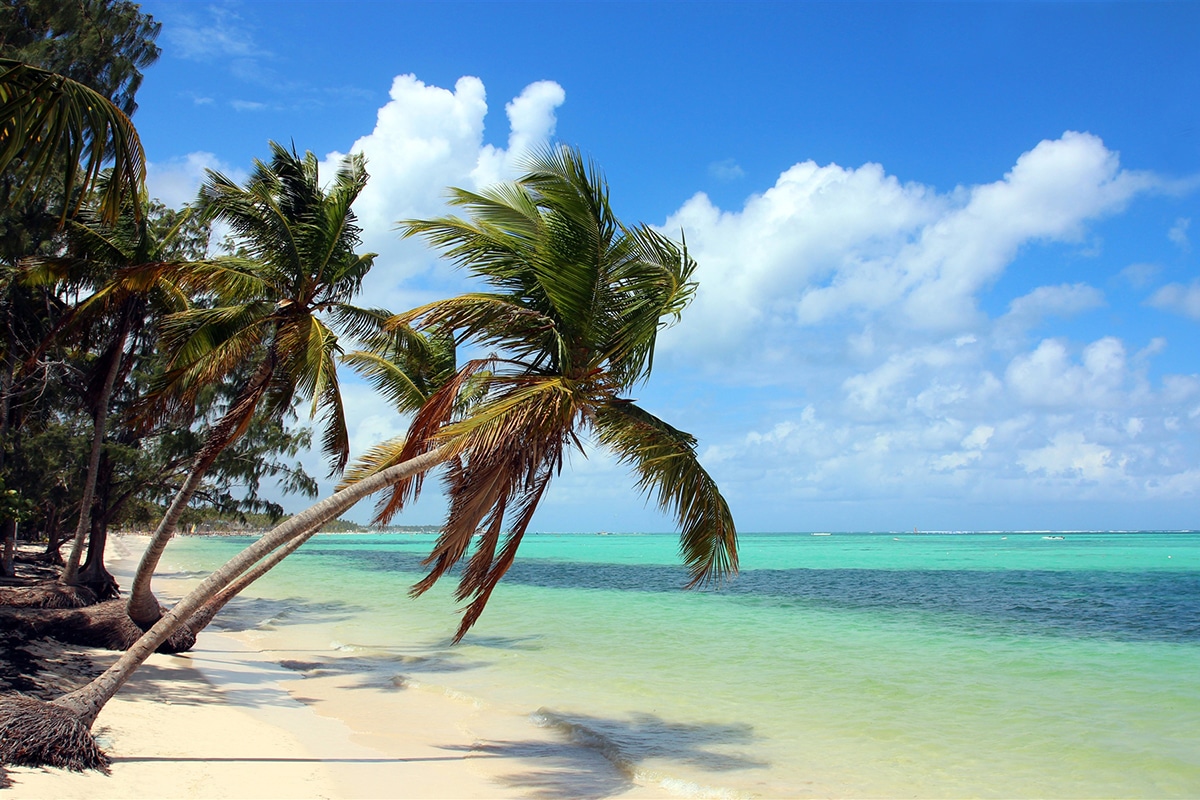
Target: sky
point(948, 252)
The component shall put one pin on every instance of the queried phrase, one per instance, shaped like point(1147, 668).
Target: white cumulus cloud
point(427, 138)
point(826, 241)
point(1049, 376)
point(1070, 454)
point(177, 180)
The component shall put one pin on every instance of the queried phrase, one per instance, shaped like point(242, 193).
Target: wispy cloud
point(727, 170)
point(1179, 299)
point(211, 32)
point(247, 105)
point(1178, 234)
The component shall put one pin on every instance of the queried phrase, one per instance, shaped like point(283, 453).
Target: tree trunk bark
point(87, 701)
point(94, 575)
point(99, 420)
point(8, 565)
point(199, 621)
point(143, 606)
point(53, 538)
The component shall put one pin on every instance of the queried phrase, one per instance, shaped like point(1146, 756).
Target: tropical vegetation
point(175, 372)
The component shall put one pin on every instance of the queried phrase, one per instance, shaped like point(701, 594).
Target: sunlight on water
point(993, 665)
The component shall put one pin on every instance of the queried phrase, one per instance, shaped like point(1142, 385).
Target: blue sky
point(948, 252)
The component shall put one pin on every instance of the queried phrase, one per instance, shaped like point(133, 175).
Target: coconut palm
point(123, 269)
point(406, 367)
point(50, 125)
point(276, 312)
point(578, 301)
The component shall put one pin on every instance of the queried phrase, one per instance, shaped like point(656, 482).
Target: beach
point(226, 721)
point(889, 665)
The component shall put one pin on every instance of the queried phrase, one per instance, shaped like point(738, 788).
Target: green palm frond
point(574, 307)
point(205, 344)
point(358, 323)
point(667, 467)
point(378, 457)
point(51, 124)
point(295, 271)
point(228, 279)
point(396, 385)
point(335, 441)
point(490, 320)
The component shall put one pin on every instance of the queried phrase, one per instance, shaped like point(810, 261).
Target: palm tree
point(581, 300)
point(578, 299)
point(124, 268)
point(51, 124)
point(297, 269)
point(578, 303)
point(406, 367)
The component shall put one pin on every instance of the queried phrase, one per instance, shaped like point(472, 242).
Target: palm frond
point(433, 415)
point(388, 378)
point(358, 323)
point(51, 123)
point(665, 460)
point(575, 303)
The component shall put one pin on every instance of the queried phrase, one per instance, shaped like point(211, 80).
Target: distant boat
point(1052, 537)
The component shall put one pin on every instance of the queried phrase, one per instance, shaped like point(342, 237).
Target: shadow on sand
point(247, 613)
point(597, 757)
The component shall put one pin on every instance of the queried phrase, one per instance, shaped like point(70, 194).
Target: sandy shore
point(226, 721)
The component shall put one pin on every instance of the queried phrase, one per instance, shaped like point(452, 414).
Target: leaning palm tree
point(578, 301)
point(276, 312)
point(406, 367)
point(50, 125)
point(581, 299)
point(576, 304)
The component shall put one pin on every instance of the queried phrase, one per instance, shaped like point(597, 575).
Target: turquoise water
point(864, 665)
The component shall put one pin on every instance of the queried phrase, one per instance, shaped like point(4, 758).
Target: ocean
point(849, 664)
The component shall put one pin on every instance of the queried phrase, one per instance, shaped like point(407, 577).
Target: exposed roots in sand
point(39, 734)
point(104, 625)
point(48, 594)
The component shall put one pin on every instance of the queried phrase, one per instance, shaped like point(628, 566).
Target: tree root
point(47, 594)
point(104, 625)
point(35, 733)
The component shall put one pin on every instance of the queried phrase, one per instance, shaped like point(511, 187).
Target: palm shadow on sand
point(597, 757)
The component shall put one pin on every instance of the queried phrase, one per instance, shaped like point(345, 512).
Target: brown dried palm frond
point(47, 594)
point(510, 448)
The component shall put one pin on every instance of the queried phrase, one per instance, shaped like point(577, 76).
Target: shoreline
point(227, 720)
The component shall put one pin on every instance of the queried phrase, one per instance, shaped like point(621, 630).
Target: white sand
point(225, 721)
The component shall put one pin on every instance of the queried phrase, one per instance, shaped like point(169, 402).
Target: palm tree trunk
point(87, 701)
point(199, 621)
point(53, 537)
point(71, 570)
point(8, 565)
point(143, 606)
